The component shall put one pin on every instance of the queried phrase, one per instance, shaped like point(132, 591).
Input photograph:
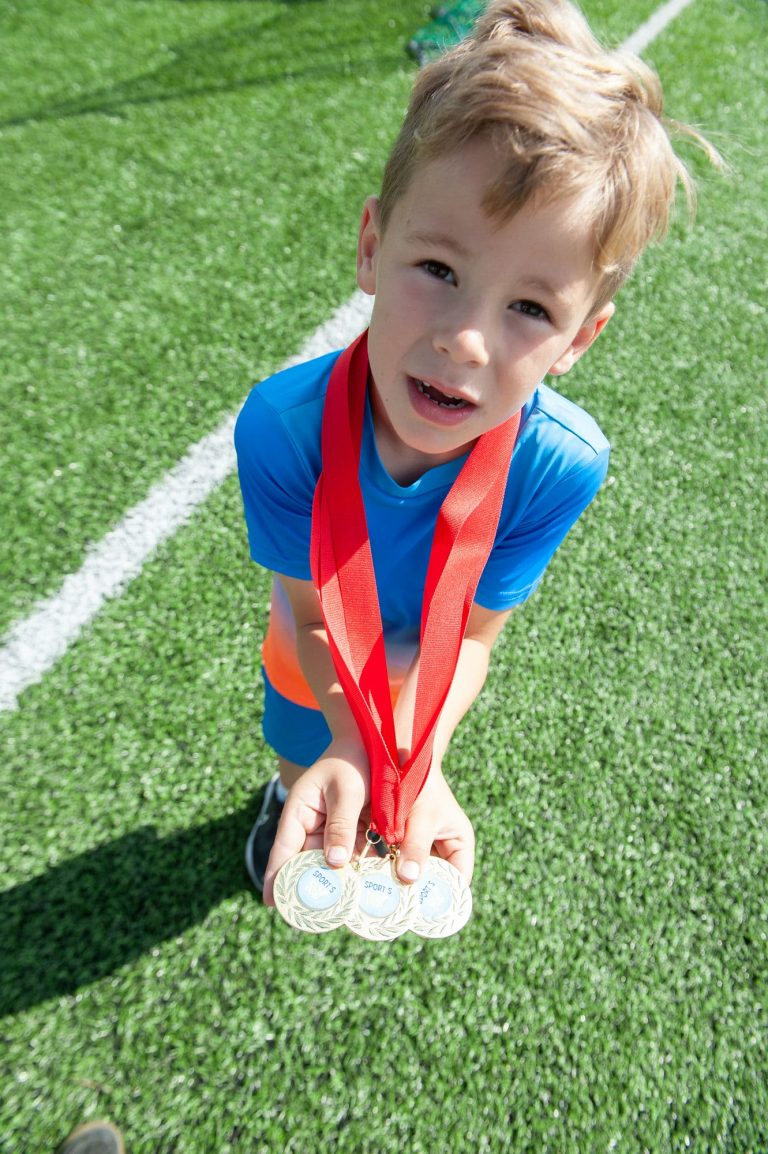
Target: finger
point(293, 834)
point(416, 846)
point(460, 852)
point(343, 808)
point(456, 844)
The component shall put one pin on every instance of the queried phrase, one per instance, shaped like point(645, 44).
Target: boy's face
point(469, 315)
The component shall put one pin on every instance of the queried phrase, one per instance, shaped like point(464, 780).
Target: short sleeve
point(521, 554)
point(277, 485)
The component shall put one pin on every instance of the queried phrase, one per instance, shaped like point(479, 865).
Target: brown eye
point(437, 269)
point(531, 309)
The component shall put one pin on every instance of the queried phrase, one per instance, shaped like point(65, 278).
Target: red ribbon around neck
point(343, 575)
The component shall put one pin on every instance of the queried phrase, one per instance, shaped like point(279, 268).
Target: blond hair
point(567, 117)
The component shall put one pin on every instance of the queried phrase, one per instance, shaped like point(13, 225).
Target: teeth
point(439, 398)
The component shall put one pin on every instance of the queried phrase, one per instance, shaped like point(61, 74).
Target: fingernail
point(337, 856)
point(409, 871)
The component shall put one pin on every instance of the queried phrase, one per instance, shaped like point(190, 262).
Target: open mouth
point(438, 398)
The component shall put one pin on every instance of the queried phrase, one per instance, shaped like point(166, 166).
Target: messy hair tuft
point(567, 117)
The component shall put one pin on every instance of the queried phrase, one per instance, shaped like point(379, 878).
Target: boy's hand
point(436, 824)
point(327, 808)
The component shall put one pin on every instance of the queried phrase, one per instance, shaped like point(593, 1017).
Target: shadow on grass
point(87, 917)
point(276, 50)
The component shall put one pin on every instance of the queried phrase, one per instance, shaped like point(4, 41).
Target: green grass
point(180, 195)
point(610, 991)
point(180, 203)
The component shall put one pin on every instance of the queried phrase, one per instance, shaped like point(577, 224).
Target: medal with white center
point(381, 906)
point(311, 896)
point(442, 901)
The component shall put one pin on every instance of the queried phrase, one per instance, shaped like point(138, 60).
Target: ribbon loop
point(343, 575)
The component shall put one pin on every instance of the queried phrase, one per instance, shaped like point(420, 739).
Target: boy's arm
point(483, 627)
point(436, 818)
point(315, 659)
point(325, 804)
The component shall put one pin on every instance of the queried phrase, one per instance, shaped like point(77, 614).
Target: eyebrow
point(439, 240)
point(536, 284)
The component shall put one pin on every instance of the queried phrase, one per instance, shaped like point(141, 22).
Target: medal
point(380, 910)
point(369, 899)
point(442, 901)
point(311, 896)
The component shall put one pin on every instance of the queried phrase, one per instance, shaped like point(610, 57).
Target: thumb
point(416, 846)
point(343, 808)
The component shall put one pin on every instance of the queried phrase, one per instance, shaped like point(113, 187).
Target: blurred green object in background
point(450, 24)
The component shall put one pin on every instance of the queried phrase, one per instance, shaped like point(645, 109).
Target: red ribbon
point(343, 575)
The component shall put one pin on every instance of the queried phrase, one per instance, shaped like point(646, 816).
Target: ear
point(586, 336)
point(368, 243)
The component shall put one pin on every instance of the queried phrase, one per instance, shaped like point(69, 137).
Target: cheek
point(413, 293)
point(394, 322)
point(380, 355)
point(538, 354)
point(522, 373)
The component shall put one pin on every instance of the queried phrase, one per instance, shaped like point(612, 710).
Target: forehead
point(473, 177)
point(445, 205)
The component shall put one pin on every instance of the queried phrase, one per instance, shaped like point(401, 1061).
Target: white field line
point(35, 644)
point(654, 25)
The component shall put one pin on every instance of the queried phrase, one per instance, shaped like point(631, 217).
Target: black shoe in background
point(262, 836)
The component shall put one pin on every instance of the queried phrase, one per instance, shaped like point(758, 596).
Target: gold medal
point(311, 896)
point(381, 903)
point(441, 902)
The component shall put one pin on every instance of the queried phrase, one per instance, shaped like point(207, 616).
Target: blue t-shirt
point(560, 461)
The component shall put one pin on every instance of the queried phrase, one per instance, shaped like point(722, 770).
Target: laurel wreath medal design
point(442, 901)
point(370, 900)
point(381, 908)
point(311, 896)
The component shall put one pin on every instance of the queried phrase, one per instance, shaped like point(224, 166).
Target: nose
point(463, 339)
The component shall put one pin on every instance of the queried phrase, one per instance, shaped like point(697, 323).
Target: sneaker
point(94, 1138)
point(262, 836)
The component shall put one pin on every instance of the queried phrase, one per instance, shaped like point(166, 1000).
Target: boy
point(531, 171)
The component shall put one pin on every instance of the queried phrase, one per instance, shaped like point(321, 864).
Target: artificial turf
point(610, 991)
point(180, 200)
point(180, 197)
